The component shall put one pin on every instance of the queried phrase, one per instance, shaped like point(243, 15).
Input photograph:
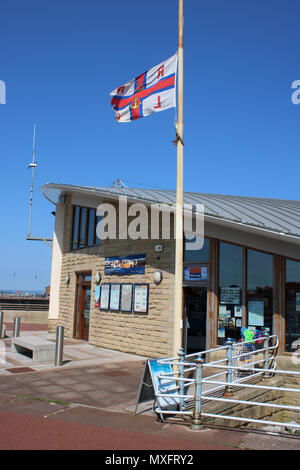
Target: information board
point(151, 384)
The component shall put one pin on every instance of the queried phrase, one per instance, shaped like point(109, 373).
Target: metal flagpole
point(179, 203)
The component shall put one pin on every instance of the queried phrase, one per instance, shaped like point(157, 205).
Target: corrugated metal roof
point(277, 215)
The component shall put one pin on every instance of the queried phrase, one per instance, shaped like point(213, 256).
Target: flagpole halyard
point(178, 317)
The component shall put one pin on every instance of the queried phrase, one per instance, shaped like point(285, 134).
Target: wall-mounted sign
point(97, 296)
point(126, 297)
point(133, 264)
point(140, 298)
point(104, 297)
point(230, 295)
point(195, 273)
point(115, 297)
point(256, 313)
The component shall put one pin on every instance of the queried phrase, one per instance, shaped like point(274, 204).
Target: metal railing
point(243, 366)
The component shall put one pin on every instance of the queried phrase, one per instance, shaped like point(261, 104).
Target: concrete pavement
point(88, 403)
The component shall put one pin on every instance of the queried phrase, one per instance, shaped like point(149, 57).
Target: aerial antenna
point(33, 166)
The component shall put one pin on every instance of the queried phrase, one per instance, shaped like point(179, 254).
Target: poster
point(97, 296)
point(195, 273)
point(238, 311)
point(256, 313)
point(104, 298)
point(126, 297)
point(140, 301)
point(133, 264)
point(223, 312)
point(221, 332)
point(115, 296)
point(230, 295)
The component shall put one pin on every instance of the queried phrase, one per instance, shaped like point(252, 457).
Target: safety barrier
point(243, 366)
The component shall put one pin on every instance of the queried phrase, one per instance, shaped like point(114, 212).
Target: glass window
point(230, 265)
point(259, 289)
point(91, 227)
point(84, 228)
point(76, 227)
point(196, 255)
point(83, 215)
point(292, 299)
point(98, 232)
point(230, 292)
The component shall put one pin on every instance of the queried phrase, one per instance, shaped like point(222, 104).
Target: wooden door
point(82, 306)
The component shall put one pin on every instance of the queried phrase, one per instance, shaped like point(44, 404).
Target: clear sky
point(61, 59)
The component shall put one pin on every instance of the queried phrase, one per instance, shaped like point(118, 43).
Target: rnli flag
point(150, 92)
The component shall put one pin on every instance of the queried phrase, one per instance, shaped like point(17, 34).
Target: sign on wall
point(126, 297)
point(133, 264)
point(115, 296)
point(140, 298)
point(230, 295)
point(195, 273)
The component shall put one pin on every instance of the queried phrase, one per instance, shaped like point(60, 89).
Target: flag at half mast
point(150, 92)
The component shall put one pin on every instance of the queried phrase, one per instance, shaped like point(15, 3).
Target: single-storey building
point(118, 293)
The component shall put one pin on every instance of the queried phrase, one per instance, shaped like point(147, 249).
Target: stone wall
point(150, 335)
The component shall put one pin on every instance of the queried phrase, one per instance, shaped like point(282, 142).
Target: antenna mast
point(33, 166)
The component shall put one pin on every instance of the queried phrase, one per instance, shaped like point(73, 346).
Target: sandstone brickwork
point(150, 335)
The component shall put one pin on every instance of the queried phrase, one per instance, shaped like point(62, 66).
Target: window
point(196, 255)
point(259, 289)
point(84, 228)
point(292, 302)
point(230, 291)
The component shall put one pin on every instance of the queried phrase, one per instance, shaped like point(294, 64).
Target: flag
point(150, 92)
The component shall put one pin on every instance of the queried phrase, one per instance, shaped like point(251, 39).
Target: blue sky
point(61, 59)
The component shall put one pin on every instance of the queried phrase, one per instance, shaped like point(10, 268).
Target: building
point(109, 292)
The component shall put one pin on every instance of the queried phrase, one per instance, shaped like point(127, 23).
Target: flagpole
point(179, 191)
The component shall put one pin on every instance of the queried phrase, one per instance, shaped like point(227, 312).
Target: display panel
point(104, 297)
point(126, 297)
point(140, 298)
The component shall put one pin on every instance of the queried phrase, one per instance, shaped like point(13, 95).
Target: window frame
point(75, 242)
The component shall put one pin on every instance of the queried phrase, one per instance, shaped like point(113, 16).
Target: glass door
point(195, 307)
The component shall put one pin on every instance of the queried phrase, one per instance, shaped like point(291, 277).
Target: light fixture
point(98, 277)
point(68, 279)
point(157, 277)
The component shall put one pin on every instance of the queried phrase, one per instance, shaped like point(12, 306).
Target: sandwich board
point(151, 384)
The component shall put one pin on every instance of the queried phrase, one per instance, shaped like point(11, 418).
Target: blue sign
point(133, 264)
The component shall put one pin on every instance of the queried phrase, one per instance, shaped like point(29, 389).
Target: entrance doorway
point(195, 307)
point(82, 306)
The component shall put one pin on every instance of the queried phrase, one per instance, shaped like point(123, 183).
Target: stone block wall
point(149, 335)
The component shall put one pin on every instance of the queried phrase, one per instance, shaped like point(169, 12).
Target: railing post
point(228, 392)
point(266, 346)
point(16, 329)
point(181, 355)
point(1, 325)
point(59, 346)
point(197, 397)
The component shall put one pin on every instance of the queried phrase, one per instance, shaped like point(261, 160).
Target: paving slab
point(89, 403)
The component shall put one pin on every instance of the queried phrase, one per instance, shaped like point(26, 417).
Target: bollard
point(1, 325)
point(228, 389)
point(181, 355)
point(197, 398)
point(16, 330)
point(59, 346)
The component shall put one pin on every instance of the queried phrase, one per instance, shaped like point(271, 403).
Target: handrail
point(232, 366)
